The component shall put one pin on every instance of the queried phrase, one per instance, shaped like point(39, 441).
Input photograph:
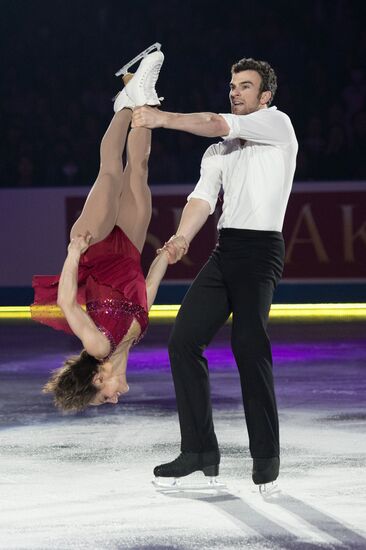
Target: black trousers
point(239, 278)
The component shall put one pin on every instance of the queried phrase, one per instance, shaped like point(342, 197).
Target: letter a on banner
point(306, 217)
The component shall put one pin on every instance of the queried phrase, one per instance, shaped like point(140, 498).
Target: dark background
point(58, 60)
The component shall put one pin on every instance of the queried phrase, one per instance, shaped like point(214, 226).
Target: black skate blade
point(170, 484)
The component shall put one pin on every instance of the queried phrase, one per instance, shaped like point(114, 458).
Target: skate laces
point(148, 81)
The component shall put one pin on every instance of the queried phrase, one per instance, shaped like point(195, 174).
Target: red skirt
point(109, 270)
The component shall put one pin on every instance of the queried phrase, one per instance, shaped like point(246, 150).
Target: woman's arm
point(95, 343)
point(166, 255)
point(67, 287)
point(156, 273)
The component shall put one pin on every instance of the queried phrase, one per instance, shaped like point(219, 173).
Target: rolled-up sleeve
point(209, 184)
point(264, 126)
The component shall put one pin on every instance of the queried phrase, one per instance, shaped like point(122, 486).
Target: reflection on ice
point(84, 481)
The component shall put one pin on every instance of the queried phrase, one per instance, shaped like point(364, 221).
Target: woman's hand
point(175, 248)
point(80, 243)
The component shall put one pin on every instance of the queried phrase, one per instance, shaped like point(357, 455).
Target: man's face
point(245, 96)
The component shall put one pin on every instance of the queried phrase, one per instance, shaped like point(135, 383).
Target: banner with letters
point(324, 231)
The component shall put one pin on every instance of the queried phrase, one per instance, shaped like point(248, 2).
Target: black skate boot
point(187, 463)
point(265, 472)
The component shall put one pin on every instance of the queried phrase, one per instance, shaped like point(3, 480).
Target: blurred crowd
point(59, 60)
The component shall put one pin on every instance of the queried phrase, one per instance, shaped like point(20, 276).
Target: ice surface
point(84, 481)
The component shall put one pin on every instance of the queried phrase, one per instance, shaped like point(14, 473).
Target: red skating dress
point(111, 285)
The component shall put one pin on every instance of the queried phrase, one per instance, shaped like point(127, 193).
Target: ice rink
point(84, 481)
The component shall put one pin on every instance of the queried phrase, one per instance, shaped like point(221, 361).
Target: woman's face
point(110, 386)
point(110, 391)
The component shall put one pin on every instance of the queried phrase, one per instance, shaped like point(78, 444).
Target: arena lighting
point(283, 312)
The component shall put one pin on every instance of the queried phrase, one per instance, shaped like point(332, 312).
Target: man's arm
point(267, 126)
point(194, 215)
point(200, 124)
point(201, 203)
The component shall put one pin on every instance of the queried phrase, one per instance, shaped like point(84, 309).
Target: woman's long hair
point(72, 384)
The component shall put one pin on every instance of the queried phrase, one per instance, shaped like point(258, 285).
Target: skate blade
point(183, 484)
point(268, 490)
point(151, 48)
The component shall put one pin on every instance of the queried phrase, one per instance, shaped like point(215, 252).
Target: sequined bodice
point(110, 283)
point(114, 316)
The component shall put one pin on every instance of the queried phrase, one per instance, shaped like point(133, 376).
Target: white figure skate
point(140, 88)
point(121, 100)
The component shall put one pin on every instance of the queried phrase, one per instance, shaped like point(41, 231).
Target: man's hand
point(147, 117)
point(176, 248)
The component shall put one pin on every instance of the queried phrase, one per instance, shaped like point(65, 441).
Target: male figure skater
point(254, 164)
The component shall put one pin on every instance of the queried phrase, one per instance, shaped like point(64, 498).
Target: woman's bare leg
point(135, 201)
point(101, 208)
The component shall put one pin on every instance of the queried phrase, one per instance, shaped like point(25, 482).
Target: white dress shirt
point(256, 174)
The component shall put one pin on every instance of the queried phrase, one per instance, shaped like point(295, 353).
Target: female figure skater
point(102, 268)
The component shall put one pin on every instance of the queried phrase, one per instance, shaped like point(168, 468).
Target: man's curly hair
point(72, 384)
point(264, 69)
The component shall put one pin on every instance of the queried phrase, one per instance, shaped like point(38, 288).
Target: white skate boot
point(140, 89)
point(121, 100)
